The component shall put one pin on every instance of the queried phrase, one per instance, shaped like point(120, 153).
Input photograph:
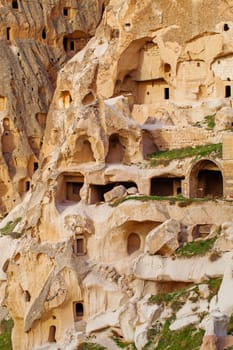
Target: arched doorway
point(206, 180)
point(83, 151)
point(52, 333)
point(133, 243)
point(115, 150)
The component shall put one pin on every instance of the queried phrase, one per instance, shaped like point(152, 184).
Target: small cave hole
point(78, 311)
point(166, 93)
point(27, 296)
point(167, 67)
point(52, 334)
point(227, 91)
point(226, 27)
point(44, 34)
point(14, 4)
point(133, 243)
point(66, 11)
point(88, 99)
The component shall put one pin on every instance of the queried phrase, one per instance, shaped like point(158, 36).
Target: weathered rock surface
point(89, 90)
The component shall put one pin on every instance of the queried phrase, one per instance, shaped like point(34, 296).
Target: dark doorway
point(165, 186)
point(210, 183)
point(78, 311)
point(15, 4)
point(52, 333)
point(73, 191)
point(115, 150)
point(166, 93)
point(227, 91)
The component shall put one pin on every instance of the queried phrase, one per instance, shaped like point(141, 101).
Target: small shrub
point(196, 247)
point(8, 229)
point(187, 338)
point(214, 285)
point(5, 336)
point(209, 120)
point(187, 152)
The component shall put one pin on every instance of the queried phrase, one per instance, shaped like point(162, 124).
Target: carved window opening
point(8, 33)
point(79, 246)
point(27, 296)
point(15, 4)
point(66, 11)
point(165, 186)
point(65, 43)
point(35, 166)
point(27, 186)
point(133, 243)
point(44, 34)
point(227, 91)
point(72, 47)
point(78, 311)
point(66, 99)
point(166, 93)
point(167, 67)
point(201, 231)
point(52, 334)
point(226, 27)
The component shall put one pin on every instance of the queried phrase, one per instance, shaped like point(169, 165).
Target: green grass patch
point(187, 338)
point(214, 285)
point(176, 299)
point(9, 228)
point(209, 120)
point(5, 336)
point(90, 346)
point(171, 199)
point(187, 152)
point(196, 248)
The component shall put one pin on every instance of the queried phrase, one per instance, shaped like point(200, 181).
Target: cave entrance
point(116, 150)
point(78, 311)
point(206, 180)
point(97, 191)
point(166, 186)
point(52, 334)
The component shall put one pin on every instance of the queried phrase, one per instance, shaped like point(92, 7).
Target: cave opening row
point(203, 183)
point(135, 241)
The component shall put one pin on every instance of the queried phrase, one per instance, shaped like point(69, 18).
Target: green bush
point(196, 247)
point(9, 228)
point(187, 152)
point(5, 336)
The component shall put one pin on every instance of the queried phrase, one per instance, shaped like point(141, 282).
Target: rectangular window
point(227, 91)
point(166, 93)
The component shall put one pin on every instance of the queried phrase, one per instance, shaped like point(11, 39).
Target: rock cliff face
point(117, 173)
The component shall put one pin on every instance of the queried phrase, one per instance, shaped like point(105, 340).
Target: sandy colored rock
point(163, 240)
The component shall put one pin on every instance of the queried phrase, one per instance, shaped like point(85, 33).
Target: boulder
point(115, 193)
point(163, 239)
